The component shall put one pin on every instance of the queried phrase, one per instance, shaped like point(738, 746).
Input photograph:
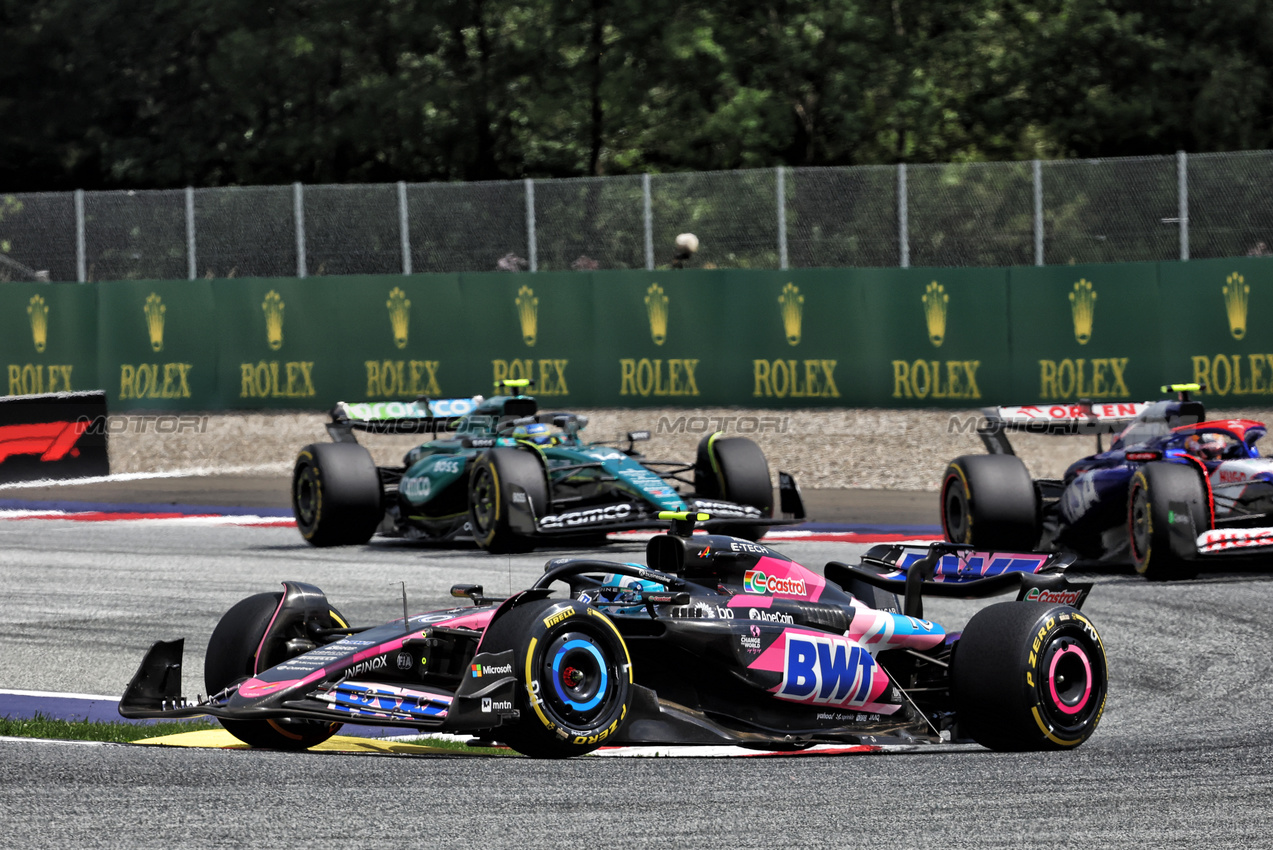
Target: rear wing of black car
point(958, 571)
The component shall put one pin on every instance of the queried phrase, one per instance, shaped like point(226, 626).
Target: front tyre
point(1029, 676)
point(501, 480)
point(236, 652)
point(1157, 492)
point(989, 501)
point(576, 677)
point(336, 494)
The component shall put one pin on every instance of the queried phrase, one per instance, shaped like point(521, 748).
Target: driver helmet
point(536, 432)
point(1208, 446)
point(620, 594)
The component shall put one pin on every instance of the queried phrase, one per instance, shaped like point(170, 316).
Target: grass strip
point(120, 732)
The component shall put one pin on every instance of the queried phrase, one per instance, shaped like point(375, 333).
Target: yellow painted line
point(221, 739)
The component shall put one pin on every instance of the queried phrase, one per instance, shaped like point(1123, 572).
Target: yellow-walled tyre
point(575, 677)
point(336, 494)
point(1155, 488)
point(498, 478)
point(1029, 676)
point(989, 501)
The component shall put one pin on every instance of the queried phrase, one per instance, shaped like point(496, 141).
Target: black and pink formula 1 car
point(718, 640)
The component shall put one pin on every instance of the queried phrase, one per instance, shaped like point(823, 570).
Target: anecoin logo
point(755, 581)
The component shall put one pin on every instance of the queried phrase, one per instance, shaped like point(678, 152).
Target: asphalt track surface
point(1182, 758)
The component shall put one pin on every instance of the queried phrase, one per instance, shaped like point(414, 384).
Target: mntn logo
point(827, 670)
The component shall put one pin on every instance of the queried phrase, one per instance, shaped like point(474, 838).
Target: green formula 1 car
point(505, 474)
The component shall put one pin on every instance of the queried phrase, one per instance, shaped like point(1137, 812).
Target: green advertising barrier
point(519, 326)
point(158, 349)
point(1085, 331)
point(936, 338)
point(48, 337)
point(1220, 330)
point(790, 340)
point(954, 338)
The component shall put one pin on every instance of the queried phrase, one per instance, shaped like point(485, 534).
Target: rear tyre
point(989, 501)
point(734, 469)
point(492, 498)
point(336, 494)
point(576, 677)
point(1029, 676)
point(1155, 488)
point(235, 653)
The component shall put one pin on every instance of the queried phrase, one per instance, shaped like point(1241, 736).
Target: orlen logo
point(827, 670)
point(1060, 597)
point(755, 581)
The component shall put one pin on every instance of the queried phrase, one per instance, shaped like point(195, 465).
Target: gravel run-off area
point(823, 449)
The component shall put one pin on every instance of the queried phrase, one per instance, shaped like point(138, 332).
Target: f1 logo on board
point(827, 670)
point(50, 440)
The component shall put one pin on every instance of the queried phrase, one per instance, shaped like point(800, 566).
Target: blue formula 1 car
point(1172, 488)
point(507, 475)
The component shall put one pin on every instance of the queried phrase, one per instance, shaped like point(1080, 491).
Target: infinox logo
point(1059, 597)
point(755, 581)
point(52, 441)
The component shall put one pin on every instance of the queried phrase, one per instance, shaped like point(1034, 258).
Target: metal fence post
point(530, 225)
point(192, 264)
point(1182, 175)
point(81, 261)
point(1037, 168)
point(648, 215)
point(298, 211)
point(782, 219)
point(404, 228)
point(903, 236)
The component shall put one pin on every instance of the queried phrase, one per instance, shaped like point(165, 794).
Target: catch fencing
point(946, 215)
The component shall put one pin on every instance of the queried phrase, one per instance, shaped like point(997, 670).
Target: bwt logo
point(827, 670)
point(755, 581)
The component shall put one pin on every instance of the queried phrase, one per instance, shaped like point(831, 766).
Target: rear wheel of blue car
point(336, 494)
point(506, 482)
point(576, 677)
point(1166, 510)
point(236, 653)
point(1029, 676)
point(989, 501)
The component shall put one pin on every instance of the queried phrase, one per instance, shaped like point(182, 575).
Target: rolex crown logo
point(935, 300)
point(1236, 293)
point(39, 313)
point(273, 307)
point(792, 304)
point(154, 309)
point(399, 315)
point(656, 309)
point(1083, 308)
point(528, 314)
